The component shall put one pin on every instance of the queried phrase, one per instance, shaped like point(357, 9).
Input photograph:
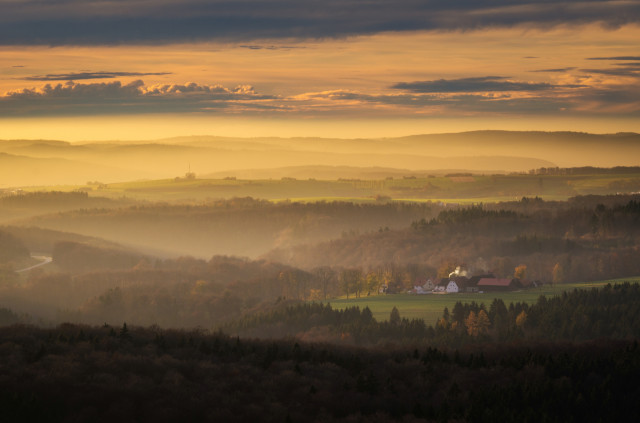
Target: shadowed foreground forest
point(105, 374)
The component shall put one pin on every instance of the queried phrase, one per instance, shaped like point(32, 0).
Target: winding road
point(45, 260)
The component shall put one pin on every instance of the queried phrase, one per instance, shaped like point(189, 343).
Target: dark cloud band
point(116, 98)
point(104, 98)
point(473, 85)
point(88, 75)
point(626, 58)
point(555, 70)
point(110, 22)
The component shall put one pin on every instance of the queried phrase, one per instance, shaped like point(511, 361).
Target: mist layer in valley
point(44, 162)
point(237, 227)
point(173, 265)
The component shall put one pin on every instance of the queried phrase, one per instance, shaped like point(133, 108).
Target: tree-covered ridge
point(183, 292)
point(463, 215)
point(111, 373)
point(585, 170)
point(583, 314)
point(610, 312)
point(587, 238)
point(11, 248)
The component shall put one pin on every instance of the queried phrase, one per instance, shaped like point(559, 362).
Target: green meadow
point(430, 307)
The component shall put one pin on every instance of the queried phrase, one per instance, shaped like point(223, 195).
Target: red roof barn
point(498, 284)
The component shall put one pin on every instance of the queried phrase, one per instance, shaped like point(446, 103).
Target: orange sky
point(582, 78)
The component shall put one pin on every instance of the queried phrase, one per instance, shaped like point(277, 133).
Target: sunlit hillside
point(42, 162)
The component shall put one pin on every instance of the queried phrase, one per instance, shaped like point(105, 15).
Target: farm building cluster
point(474, 284)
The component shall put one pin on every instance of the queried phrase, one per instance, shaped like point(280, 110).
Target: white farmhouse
point(428, 285)
point(452, 287)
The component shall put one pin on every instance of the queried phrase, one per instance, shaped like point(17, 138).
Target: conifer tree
point(394, 318)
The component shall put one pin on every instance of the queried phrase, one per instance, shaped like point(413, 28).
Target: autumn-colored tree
point(482, 322)
point(477, 324)
point(372, 282)
point(443, 323)
point(558, 273)
point(470, 322)
point(520, 272)
point(315, 295)
point(446, 268)
point(521, 319)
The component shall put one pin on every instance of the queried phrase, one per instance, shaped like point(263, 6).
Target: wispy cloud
point(626, 58)
point(88, 75)
point(270, 47)
point(554, 70)
point(622, 69)
point(635, 72)
point(451, 105)
point(100, 22)
point(477, 84)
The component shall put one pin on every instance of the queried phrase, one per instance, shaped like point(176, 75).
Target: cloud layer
point(478, 84)
point(73, 99)
point(479, 96)
point(110, 22)
point(88, 75)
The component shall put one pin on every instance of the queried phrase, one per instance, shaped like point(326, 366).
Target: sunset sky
point(142, 69)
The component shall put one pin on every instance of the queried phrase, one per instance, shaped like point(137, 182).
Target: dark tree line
point(609, 312)
point(124, 373)
point(585, 170)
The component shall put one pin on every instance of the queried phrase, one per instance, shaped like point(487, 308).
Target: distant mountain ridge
point(373, 172)
point(61, 162)
point(19, 170)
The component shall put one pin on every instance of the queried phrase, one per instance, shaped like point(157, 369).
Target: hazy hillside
point(20, 205)
point(583, 239)
point(243, 227)
point(464, 164)
point(45, 162)
point(20, 171)
point(11, 248)
point(43, 240)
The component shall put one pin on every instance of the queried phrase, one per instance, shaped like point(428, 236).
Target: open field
point(430, 307)
point(451, 189)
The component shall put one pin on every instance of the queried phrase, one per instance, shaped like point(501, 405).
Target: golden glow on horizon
point(155, 127)
point(292, 70)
